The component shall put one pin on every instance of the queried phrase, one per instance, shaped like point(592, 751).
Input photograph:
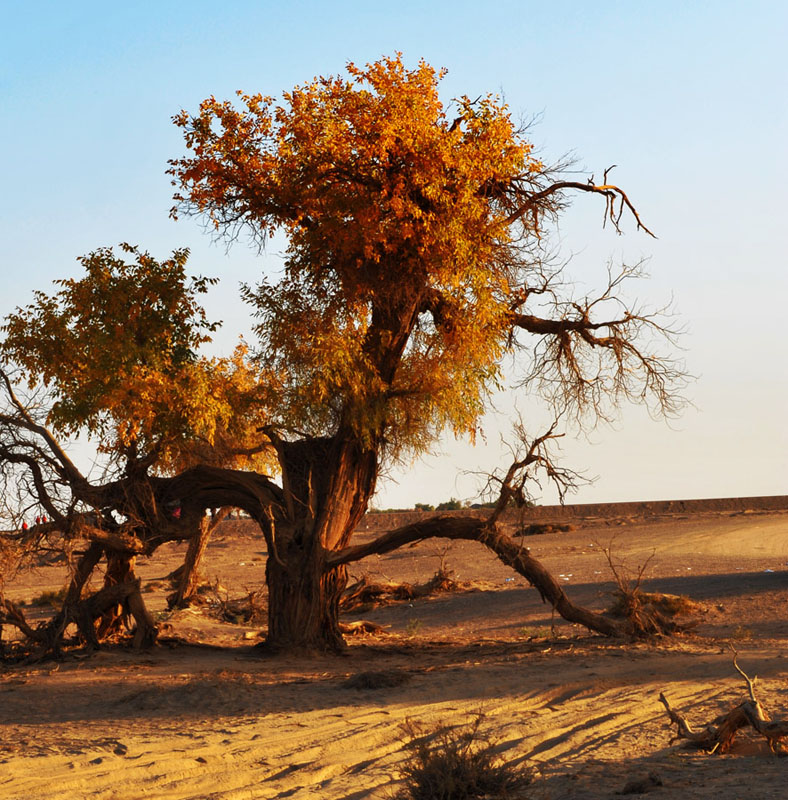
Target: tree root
point(48, 638)
point(718, 737)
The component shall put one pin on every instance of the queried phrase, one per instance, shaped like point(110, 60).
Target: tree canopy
point(415, 253)
point(116, 352)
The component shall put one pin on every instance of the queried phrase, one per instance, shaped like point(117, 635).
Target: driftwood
point(360, 626)
point(365, 595)
point(718, 737)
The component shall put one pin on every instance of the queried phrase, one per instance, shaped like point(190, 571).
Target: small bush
point(458, 763)
point(54, 599)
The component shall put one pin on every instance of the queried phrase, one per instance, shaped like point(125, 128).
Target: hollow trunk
point(327, 485)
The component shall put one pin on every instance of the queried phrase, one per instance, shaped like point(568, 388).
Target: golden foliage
point(394, 309)
point(117, 351)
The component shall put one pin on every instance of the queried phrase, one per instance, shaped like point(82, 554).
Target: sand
point(212, 718)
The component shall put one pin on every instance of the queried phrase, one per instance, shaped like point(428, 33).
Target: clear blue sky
point(688, 98)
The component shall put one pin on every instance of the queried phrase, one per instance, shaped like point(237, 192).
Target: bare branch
point(616, 200)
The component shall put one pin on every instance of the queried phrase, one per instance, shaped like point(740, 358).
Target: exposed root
point(718, 736)
point(646, 614)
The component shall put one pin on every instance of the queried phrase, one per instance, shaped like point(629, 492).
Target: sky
point(688, 99)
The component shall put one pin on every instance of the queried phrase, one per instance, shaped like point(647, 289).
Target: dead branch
point(719, 736)
point(360, 626)
point(530, 456)
point(596, 350)
point(616, 201)
point(365, 595)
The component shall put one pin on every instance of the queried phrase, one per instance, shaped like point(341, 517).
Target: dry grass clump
point(458, 763)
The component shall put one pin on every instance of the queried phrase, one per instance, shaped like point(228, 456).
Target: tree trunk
point(187, 575)
point(303, 605)
point(327, 484)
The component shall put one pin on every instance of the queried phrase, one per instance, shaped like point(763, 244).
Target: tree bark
point(187, 575)
point(509, 551)
point(327, 484)
point(303, 605)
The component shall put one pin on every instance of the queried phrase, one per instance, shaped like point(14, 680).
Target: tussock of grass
point(458, 763)
point(50, 598)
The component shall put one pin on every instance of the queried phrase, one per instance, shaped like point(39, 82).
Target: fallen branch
point(719, 736)
point(365, 595)
point(360, 626)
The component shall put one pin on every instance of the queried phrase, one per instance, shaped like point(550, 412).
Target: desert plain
point(208, 714)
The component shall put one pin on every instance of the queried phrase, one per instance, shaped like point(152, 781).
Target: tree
point(113, 355)
point(416, 264)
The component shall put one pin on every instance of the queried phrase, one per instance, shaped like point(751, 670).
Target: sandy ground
point(215, 719)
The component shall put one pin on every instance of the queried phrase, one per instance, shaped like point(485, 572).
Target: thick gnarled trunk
point(327, 484)
point(303, 605)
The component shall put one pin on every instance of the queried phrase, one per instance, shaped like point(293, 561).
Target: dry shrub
point(648, 614)
point(458, 763)
point(670, 605)
point(251, 609)
point(538, 528)
point(52, 598)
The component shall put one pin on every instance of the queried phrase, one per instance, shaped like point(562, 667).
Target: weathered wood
point(508, 551)
point(719, 736)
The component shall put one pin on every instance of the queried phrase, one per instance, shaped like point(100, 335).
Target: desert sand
point(206, 715)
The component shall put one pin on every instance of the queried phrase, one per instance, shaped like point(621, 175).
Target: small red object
point(24, 526)
point(38, 520)
point(177, 513)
